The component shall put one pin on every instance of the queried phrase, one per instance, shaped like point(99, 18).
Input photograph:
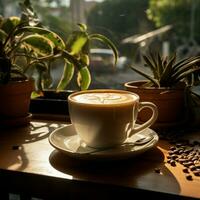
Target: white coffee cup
point(104, 118)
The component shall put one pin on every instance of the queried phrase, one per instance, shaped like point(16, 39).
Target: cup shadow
point(136, 172)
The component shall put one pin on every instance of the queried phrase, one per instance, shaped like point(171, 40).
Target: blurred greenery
point(120, 18)
point(53, 13)
point(184, 15)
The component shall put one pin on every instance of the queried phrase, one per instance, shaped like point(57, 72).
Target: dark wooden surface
point(29, 165)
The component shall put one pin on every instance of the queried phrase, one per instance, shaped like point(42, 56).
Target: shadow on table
point(138, 172)
point(12, 141)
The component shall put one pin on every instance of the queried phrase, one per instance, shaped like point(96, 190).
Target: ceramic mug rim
point(70, 99)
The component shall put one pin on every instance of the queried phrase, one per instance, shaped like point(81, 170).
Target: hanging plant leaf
point(10, 23)
point(84, 78)
point(3, 36)
point(107, 42)
point(55, 39)
point(76, 41)
point(67, 76)
point(39, 44)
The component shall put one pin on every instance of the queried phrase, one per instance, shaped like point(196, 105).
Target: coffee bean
point(174, 157)
point(192, 168)
point(196, 173)
point(197, 165)
point(168, 157)
point(172, 148)
point(157, 170)
point(179, 144)
point(169, 161)
point(182, 160)
point(187, 164)
point(185, 170)
point(188, 150)
point(171, 152)
point(173, 163)
point(189, 177)
point(15, 147)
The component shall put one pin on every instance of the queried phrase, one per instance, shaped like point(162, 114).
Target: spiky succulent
point(167, 72)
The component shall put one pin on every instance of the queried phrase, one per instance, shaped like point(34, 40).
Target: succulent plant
point(167, 72)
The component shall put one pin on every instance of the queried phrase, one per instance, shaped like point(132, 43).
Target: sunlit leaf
point(107, 42)
point(56, 39)
point(155, 81)
point(76, 42)
point(10, 23)
point(3, 35)
point(67, 75)
point(82, 27)
point(84, 78)
point(39, 44)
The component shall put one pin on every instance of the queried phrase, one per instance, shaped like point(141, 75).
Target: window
point(133, 25)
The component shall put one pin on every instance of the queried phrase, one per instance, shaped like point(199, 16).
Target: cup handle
point(148, 123)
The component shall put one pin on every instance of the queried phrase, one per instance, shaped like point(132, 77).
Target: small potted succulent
point(26, 45)
point(167, 87)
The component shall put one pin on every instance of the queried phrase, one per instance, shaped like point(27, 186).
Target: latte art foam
point(104, 98)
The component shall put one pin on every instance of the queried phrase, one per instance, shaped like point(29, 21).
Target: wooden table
point(31, 167)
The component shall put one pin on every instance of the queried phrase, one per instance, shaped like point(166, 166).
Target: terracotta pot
point(170, 102)
point(15, 99)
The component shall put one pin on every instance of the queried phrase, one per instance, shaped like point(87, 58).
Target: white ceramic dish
point(66, 140)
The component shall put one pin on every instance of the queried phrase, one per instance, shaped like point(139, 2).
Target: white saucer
point(66, 140)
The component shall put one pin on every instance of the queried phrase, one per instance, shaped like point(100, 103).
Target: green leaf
point(184, 62)
point(84, 58)
point(82, 27)
point(39, 44)
point(155, 81)
point(10, 23)
point(67, 75)
point(156, 68)
point(56, 39)
point(168, 71)
point(186, 66)
point(35, 94)
point(72, 59)
point(76, 42)
point(84, 78)
point(3, 35)
point(28, 16)
point(151, 65)
point(159, 65)
point(107, 42)
point(186, 73)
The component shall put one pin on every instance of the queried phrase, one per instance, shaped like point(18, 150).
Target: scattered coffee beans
point(186, 154)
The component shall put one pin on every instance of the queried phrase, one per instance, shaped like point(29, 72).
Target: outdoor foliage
point(184, 15)
point(120, 18)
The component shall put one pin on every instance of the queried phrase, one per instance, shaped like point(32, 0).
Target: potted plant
point(166, 87)
point(27, 46)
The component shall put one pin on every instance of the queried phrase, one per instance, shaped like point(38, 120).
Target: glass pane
point(135, 26)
